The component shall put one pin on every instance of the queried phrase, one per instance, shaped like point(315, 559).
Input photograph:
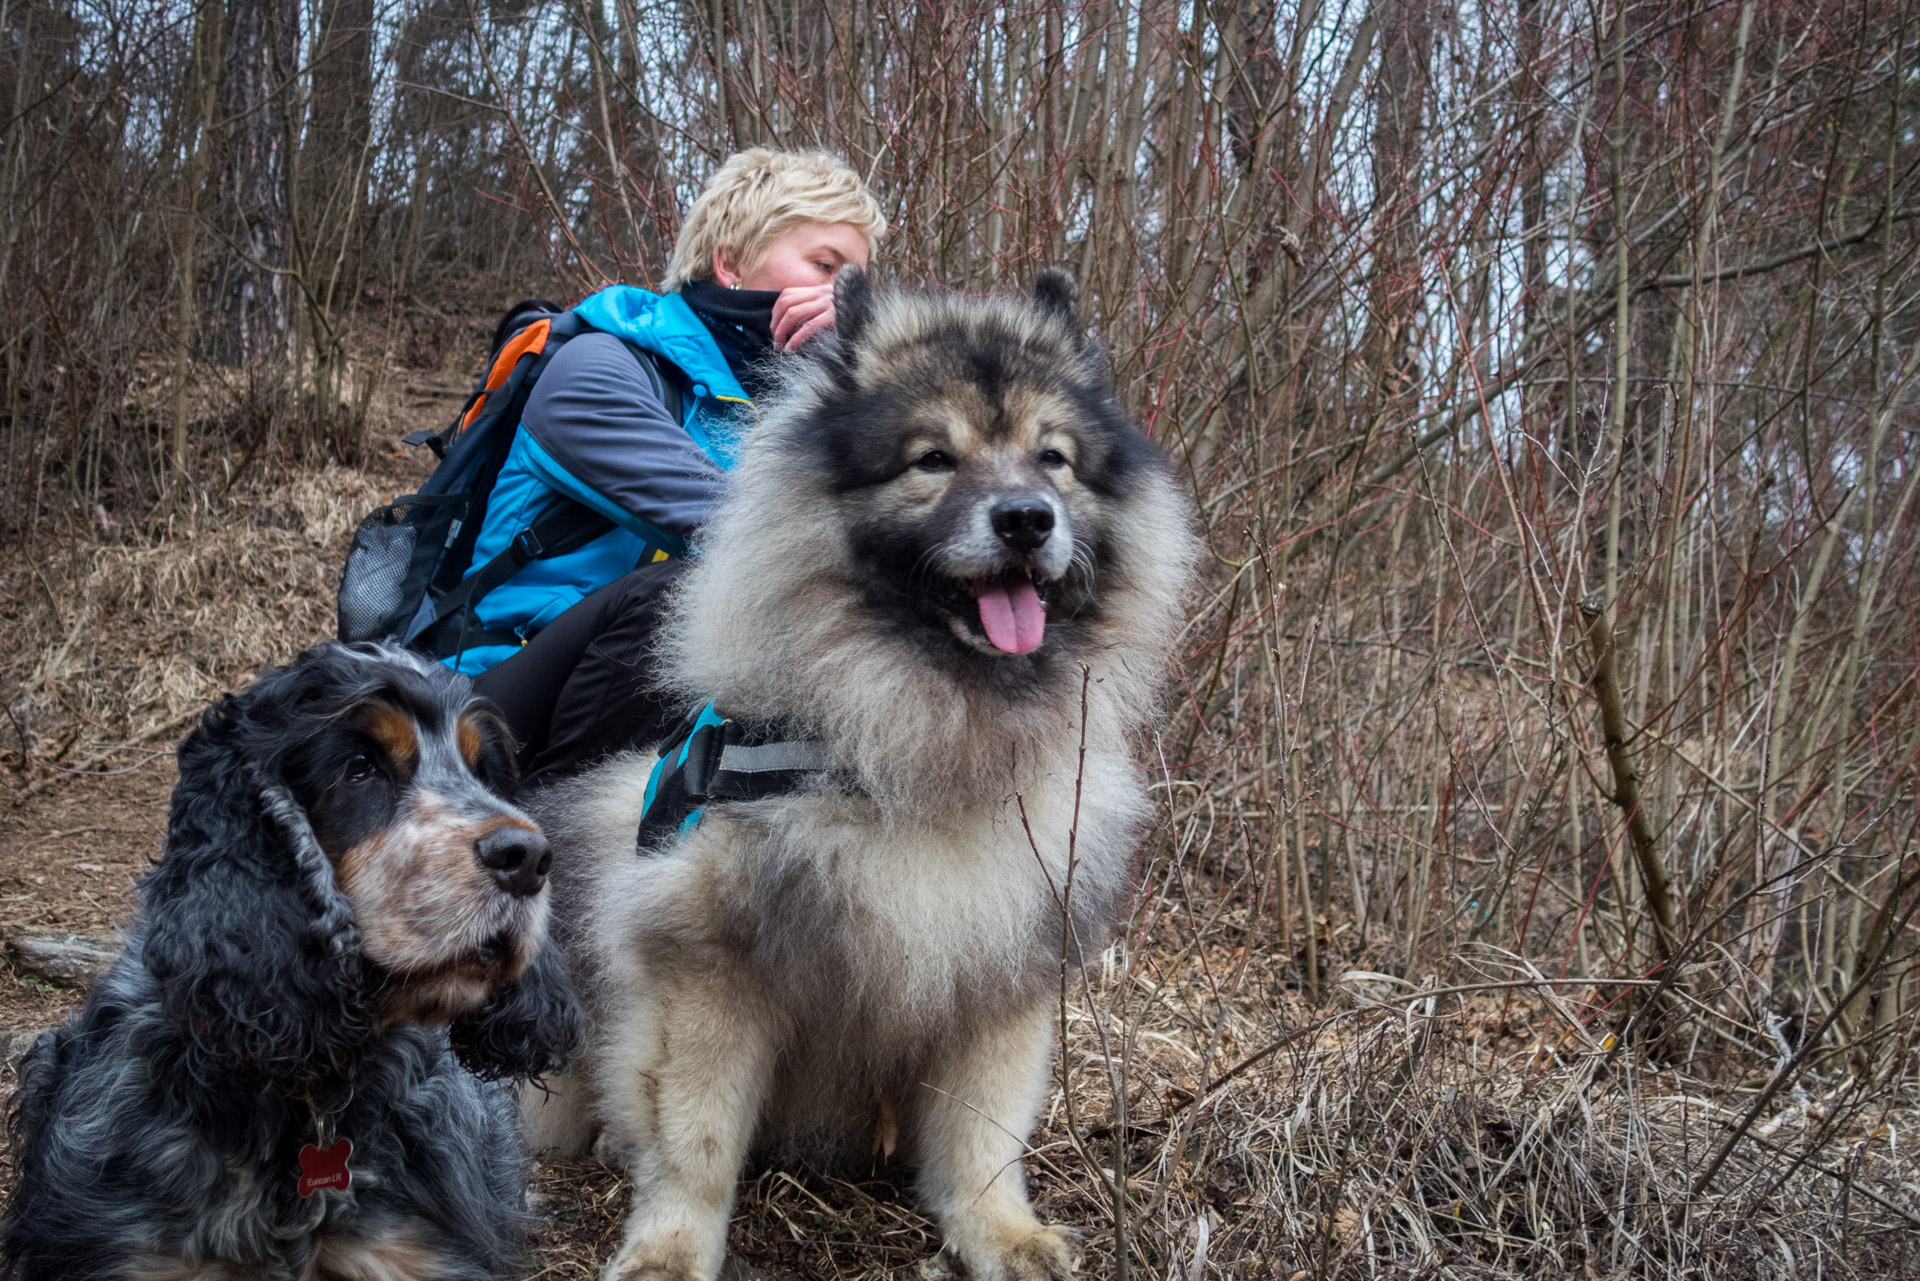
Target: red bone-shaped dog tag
point(325, 1167)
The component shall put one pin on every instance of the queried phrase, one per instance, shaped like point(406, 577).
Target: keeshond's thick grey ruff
point(880, 954)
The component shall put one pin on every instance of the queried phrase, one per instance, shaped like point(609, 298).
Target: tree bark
point(1626, 780)
point(260, 45)
point(333, 158)
point(1400, 103)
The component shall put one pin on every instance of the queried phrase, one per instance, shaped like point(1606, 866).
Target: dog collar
point(713, 757)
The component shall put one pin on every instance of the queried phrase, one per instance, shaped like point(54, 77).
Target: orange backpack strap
point(529, 341)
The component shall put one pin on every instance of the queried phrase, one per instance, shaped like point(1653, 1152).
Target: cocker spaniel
point(293, 1071)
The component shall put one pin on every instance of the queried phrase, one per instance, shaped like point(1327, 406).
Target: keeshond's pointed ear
point(852, 304)
point(1057, 296)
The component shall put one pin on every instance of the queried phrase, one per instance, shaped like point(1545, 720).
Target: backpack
point(406, 576)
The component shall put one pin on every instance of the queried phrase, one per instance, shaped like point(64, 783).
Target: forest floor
point(1205, 1112)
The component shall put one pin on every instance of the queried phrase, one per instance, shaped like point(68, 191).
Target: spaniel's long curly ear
point(529, 1028)
point(254, 948)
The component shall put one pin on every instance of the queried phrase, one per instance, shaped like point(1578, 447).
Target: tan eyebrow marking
point(393, 730)
point(471, 741)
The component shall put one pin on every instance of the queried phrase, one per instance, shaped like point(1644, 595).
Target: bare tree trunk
point(333, 159)
point(197, 88)
point(1399, 105)
point(260, 48)
point(1627, 795)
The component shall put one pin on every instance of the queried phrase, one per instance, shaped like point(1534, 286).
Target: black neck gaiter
point(741, 322)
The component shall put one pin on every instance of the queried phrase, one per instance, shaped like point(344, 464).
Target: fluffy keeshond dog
point(950, 562)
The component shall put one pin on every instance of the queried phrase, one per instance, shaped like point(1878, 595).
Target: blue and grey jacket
point(595, 430)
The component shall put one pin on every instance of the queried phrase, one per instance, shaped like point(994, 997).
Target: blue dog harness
point(712, 757)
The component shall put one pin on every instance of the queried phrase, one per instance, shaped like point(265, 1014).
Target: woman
point(751, 275)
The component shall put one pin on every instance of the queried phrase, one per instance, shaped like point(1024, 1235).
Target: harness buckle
point(712, 757)
point(704, 747)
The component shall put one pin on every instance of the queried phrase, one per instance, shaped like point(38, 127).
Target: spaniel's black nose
point(518, 857)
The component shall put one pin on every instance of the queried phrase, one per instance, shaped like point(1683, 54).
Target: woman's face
point(807, 253)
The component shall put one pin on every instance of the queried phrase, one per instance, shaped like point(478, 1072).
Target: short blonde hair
point(759, 193)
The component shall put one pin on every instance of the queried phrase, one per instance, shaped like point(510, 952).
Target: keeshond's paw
point(644, 1263)
point(646, 1270)
point(611, 1152)
point(1029, 1252)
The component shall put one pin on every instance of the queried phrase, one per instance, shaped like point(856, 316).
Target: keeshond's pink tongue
point(1012, 615)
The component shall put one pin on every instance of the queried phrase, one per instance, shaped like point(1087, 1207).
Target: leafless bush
point(1544, 376)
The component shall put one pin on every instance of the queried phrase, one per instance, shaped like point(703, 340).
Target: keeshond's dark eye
point(934, 460)
point(1052, 458)
point(359, 769)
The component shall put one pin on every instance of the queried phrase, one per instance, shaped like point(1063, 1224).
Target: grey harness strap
point(712, 757)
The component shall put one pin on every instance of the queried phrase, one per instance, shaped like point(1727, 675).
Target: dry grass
point(1377, 1139)
point(1456, 1132)
point(120, 643)
point(1503, 1131)
point(1472, 1121)
point(1460, 322)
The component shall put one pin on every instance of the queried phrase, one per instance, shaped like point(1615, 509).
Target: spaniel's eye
point(359, 769)
point(934, 460)
point(1052, 458)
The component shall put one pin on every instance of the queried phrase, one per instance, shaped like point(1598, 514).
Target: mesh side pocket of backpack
point(394, 552)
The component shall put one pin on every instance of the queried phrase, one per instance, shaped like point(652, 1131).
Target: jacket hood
point(665, 325)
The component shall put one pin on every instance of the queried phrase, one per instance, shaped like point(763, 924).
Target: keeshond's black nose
point(518, 857)
point(1022, 523)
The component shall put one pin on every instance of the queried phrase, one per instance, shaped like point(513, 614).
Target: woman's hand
point(800, 314)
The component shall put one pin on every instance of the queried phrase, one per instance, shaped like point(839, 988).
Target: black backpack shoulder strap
point(565, 526)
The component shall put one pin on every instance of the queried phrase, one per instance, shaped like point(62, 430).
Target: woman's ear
point(529, 1028)
point(254, 948)
point(724, 273)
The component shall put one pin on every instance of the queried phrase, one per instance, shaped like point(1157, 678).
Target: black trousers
point(584, 688)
